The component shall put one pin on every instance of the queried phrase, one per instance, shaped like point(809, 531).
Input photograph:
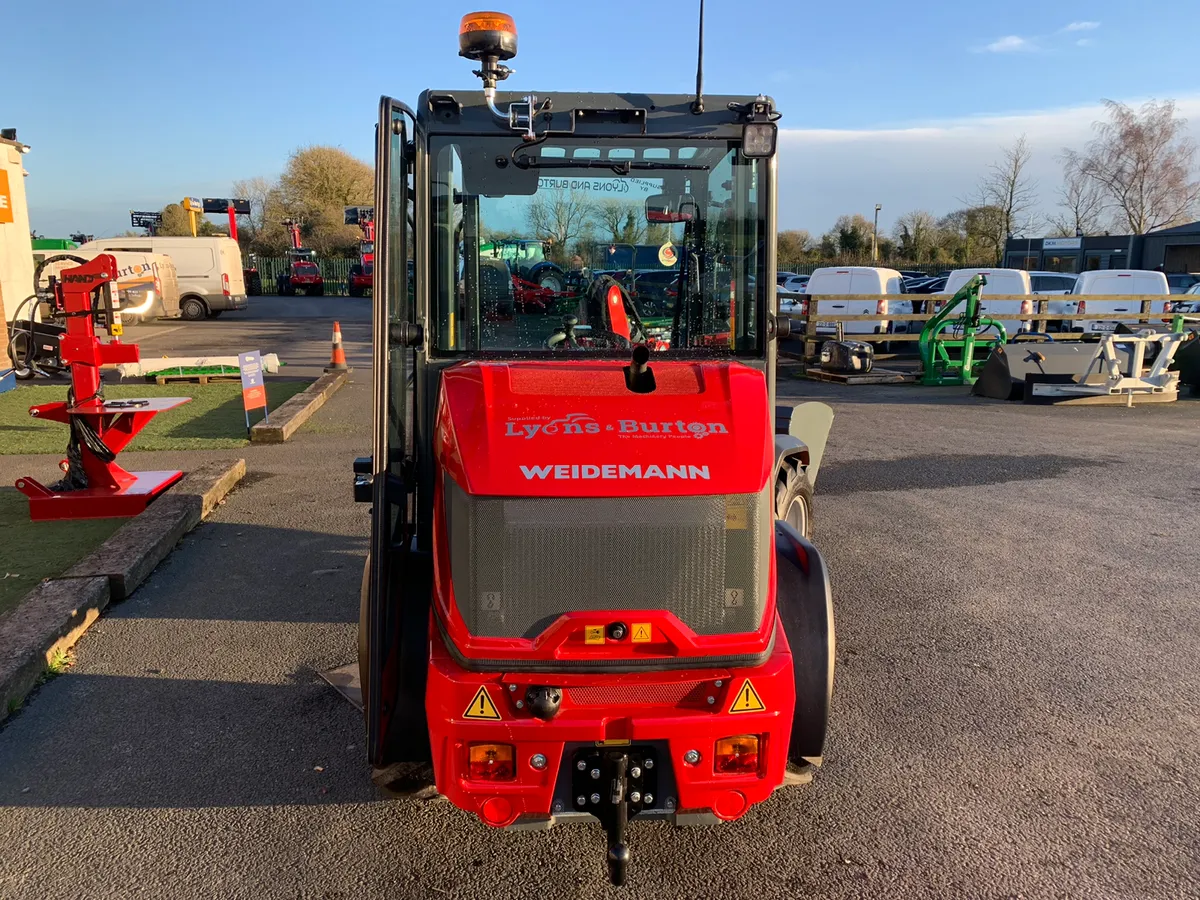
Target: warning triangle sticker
point(747, 699)
point(482, 707)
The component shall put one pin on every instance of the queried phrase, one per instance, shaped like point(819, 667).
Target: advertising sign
point(254, 391)
point(6, 213)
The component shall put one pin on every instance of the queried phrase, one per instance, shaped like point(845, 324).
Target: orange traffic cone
point(337, 359)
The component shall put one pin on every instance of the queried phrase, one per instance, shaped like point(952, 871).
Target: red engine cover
point(573, 429)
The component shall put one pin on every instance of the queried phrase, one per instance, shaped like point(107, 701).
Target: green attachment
point(938, 364)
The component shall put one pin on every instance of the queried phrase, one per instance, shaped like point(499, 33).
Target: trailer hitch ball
point(543, 701)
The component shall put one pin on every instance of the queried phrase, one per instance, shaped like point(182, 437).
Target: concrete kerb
point(56, 613)
point(299, 409)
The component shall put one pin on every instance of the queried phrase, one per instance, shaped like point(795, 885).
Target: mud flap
point(811, 423)
point(806, 610)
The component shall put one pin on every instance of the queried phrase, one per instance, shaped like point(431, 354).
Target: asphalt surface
point(1016, 711)
point(299, 329)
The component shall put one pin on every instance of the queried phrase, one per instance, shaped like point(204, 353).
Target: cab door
point(394, 615)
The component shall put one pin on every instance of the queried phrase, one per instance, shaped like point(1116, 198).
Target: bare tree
point(625, 222)
point(258, 191)
point(916, 234)
point(1144, 162)
point(1007, 188)
point(1080, 198)
point(559, 216)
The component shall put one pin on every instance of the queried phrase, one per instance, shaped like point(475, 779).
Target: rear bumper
point(664, 714)
point(224, 302)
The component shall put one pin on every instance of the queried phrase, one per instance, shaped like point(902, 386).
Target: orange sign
point(6, 213)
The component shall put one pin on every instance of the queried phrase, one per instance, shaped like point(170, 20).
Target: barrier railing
point(1041, 316)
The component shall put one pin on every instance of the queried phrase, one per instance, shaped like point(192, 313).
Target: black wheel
point(215, 314)
point(551, 278)
point(254, 285)
point(193, 309)
point(286, 289)
point(353, 291)
point(794, 501)
point(317, 290)
point(805, 606)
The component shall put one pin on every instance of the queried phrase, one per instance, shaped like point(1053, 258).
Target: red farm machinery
point(302, 273)
point(591, 593)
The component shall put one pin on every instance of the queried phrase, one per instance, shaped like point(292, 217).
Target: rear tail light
point(225, 284)
point(1082, 308)
point(881, 307)
point(737, 755)
point(491, 762)
point(1027, 307)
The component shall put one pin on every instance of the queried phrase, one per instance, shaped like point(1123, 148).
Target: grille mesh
point(669, 694)
point(517, 564)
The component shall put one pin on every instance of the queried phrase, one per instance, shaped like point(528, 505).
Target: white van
point(1117, 281)
point(209, 270)
point(147, 282)
point(830, 284)
point(1012, 314)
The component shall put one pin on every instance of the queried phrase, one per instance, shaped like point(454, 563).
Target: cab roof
point(586, 115)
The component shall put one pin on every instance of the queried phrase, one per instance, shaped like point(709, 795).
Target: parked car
point(795, 284)
point(1117, 281)
point(912, 273)
point(831, 283)
point(926, 286)
point(1183, 282)
point(1052, 282)
point(781, 277)
point(1014, 315)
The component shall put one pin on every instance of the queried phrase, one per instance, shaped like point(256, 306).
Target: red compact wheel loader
point(591, 592)
point(362, 273)
point(302, 273)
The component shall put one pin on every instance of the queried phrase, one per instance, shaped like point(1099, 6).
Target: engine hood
point(573, 429)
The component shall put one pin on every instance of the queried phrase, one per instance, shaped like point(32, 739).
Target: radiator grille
point(669, 694)
point(517, 564)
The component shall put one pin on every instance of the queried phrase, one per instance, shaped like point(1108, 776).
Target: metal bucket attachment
point(1004, 374)
point(847, 357)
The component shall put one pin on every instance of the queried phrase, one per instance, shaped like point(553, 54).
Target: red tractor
point(590, 593)
point(302, 273)
point(362, 273)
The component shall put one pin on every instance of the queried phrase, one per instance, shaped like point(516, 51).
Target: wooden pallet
point(875, 376)
point(198, 379)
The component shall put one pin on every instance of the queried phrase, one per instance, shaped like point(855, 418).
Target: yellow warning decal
point(482, 707)
point(593, 634)
point(747, 699)
point(643, 633)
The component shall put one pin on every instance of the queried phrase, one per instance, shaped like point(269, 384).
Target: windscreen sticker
point(666, 255)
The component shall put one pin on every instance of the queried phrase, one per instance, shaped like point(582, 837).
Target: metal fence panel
point(334, 270)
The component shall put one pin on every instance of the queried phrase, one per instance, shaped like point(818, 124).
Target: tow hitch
point(615, 785)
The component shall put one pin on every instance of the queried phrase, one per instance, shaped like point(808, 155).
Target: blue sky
point(897, 103)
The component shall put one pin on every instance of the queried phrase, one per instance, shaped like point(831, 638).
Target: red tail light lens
point(1082, 307)
point(225, 284)
point(491, 762)
point(881, 307)
point(737, 755)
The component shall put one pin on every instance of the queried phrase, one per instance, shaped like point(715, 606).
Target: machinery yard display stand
point(94, 486)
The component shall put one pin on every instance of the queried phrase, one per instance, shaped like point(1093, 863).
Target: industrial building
point(1174, 249)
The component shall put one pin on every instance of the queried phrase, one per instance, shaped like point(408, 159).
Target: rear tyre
point(215, 314)
point(193, 309)
point(318, 290)
point(794, 501)
point(805, 607)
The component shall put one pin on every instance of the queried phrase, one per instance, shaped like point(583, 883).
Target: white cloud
point(929, 165)
point(1011, 43)
point(1082, 26)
